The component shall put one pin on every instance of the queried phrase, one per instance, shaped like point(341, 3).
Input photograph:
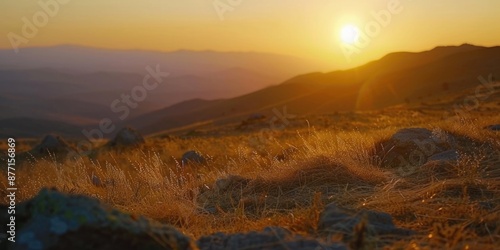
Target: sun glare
point(349, 34)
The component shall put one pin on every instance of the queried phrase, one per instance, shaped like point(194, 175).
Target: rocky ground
point(52, 220)
point(435, 185)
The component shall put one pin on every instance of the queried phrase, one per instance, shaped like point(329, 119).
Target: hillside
point(397, 78)
point(350, 180)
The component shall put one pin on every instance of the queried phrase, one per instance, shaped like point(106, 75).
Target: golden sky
point(303, 28)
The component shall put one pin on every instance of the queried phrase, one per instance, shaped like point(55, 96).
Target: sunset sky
point(293, 27)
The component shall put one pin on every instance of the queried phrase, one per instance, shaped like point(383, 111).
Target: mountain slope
point(394, 79)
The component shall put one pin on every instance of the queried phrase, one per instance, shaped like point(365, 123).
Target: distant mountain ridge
point(181, 62)
point(48, 95)
point(394, 79)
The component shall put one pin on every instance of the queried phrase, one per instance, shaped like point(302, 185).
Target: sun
point(349, 34)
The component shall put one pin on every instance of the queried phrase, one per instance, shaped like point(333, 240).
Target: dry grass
point(245, 186)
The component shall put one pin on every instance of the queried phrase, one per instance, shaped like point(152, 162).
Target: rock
point(272, 238)
point(192, 157)
point(52, 147)
point(52, 144)
point(411, 147)
point(231, 182)
point(435, 170)
point(336, 220)
point(495, 127)
point(127, 137)
point(487, 205)
point(52, 220)
point(251, 121)
point(286, 153)
point(96, 181)
point(446, 156)
point(256, 117)
point(408, 135)
point(222, 194)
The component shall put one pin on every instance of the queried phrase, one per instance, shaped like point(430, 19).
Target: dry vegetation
point(248, 184)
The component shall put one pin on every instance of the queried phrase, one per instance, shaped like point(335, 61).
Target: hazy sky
point(304, 28)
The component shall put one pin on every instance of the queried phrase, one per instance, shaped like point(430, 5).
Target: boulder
point(231, 182)
point(411, 147)
point(252, 121)
point(51, 147)
point(435, 170)
point(271, 238)
point(256, 117)
point(52, 144)
point(127, 137)
point(52, 220)
point(96, 181)
point(286, 153)
point(335, 220)
point(495, 127)
point(192, 157)
point(446, 156)
point(408, 135)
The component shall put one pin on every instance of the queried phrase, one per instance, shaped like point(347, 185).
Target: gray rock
point(495, 127)
point(436, 170)
point(127, 137)
point(252, 121)
point(446, 156)
point(286, 153)
point(336, 220)
point(207, 210)
point(487, 205)
point(408, 135)
point(256, 117)
point(52, 220)
point(52, 144)
point(192, 157)
point(52, 147)
point(231, 182)
point(411, 147)
point(96, 181)
point(271, 238)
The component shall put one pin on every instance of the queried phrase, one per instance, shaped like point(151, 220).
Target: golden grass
point(245, 186)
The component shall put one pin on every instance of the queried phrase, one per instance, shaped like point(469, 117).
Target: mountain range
point(213, 87)
point(77, 85)
point(395, 79)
